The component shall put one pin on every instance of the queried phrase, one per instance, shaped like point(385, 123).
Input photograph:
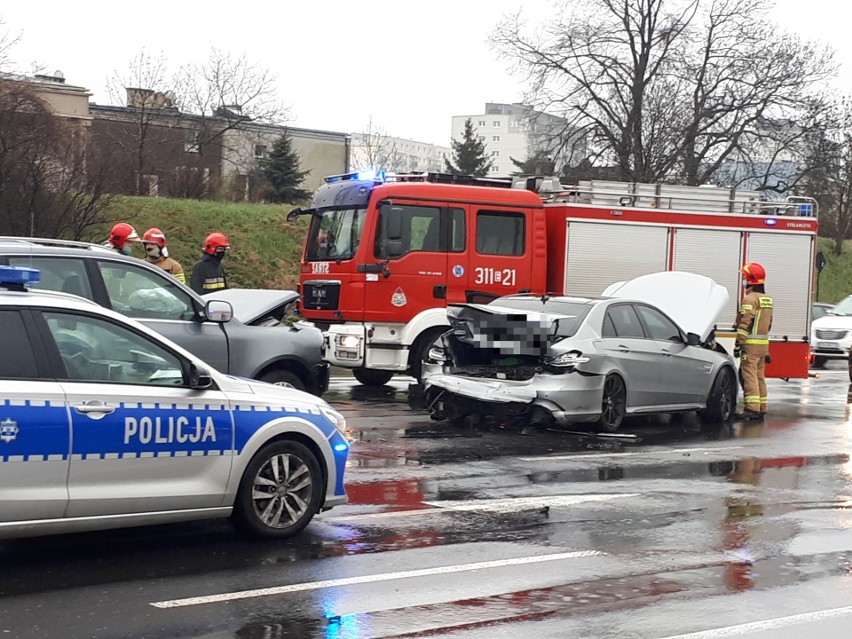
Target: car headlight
point(565, 360)
point(438, 355)
point(335, 418)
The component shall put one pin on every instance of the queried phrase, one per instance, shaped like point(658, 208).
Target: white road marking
point(644, 453)
point(366, 579)
point(766, 624)
point(507, 505)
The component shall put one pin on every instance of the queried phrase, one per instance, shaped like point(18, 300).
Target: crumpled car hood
point(694, 302)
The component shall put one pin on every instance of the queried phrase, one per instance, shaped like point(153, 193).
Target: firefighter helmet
point(754, 274)
point(155, 236)
point(122, 233)
point(216, 242)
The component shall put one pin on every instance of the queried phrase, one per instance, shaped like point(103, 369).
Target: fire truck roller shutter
point(600, 253)
point(787, 258)
point(714, 254)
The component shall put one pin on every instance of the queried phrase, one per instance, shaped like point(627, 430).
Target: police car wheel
point(283, 378)
point(280, 491)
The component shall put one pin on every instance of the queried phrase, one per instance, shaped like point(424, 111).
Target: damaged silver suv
point(540, 360)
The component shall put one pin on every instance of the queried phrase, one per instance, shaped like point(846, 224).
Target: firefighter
point(120, 237)
point(157, 254)
point(208, 276)
point(752, 346)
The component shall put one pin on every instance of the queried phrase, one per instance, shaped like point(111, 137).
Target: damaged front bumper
point(544, 399)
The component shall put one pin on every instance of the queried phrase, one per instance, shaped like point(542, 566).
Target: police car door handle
point(94, 408)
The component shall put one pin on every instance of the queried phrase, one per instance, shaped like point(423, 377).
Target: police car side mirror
point(219, 311)
point(199, 377)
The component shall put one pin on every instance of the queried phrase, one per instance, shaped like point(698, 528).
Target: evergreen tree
point(538, 164)
point(281, 169)
point(469, 154)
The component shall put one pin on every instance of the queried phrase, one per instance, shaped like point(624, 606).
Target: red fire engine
point(384, 257)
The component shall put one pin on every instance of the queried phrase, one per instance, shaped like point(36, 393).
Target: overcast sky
point(409, 65)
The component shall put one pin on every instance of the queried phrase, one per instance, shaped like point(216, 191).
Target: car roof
point(553, 298)
point(41, 245)
point(42, 297)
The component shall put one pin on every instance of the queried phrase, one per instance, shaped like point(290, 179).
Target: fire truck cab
point(384, 256)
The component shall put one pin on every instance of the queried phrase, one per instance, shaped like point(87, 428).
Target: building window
point(190, 141)
point(495, 169)
point(259, 151)
point(496, 124)
point(495, 154)
point(495, 138)
point(514, 124)
point(482, 123)
point(481, 138)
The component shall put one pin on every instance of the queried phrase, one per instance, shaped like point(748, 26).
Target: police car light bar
point(17, 277)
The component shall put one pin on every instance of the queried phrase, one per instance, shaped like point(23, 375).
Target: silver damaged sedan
point(647, 346)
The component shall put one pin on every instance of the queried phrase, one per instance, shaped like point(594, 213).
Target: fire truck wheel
point(722, 399)
point(850, 368)
point(372, 377)
point(613, 404)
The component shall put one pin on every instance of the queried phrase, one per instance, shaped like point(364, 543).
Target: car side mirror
point(199, 377)
point(692, 339)
point(219, 311)
point(293, 215)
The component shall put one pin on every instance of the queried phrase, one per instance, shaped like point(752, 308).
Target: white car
point(104, 423)
point(831, 334)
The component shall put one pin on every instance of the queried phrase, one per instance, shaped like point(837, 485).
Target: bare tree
point(227, 91)
point(666, 90)
point(7, 42)
point(142, 86)
point(830, 179)
point(370, 147)
point(48, 181)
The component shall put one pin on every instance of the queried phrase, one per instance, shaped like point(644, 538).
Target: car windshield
point(844, 307)
point(334, 235)
point(568, 326)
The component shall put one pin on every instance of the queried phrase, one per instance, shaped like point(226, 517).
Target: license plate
point(830, 345)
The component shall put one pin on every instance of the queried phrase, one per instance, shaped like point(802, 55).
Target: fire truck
point(384, 256)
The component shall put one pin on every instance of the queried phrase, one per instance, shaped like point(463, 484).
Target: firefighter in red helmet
point(120, 237)
point(208, 276)
point(157, 254)
point(752, 346)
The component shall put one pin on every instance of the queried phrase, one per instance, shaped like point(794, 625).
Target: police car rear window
point(17, 360)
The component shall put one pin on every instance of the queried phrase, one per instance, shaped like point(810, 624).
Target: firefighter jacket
point(208, 276)
point(170, 266)
point(754, 320)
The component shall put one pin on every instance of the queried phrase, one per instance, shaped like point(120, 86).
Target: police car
point(106, 424)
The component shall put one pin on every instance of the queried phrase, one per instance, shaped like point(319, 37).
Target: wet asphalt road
point(667, 531)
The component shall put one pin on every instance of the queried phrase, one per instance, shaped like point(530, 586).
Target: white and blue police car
point(106, 424)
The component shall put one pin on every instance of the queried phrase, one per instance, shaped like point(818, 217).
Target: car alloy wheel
point(280, 491)
point(613, 404)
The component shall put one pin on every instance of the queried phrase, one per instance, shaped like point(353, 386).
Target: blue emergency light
point(17, 277)
point(770, 221)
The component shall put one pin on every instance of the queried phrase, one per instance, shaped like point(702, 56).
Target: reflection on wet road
point(664, 530)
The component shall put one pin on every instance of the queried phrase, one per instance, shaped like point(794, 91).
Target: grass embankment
point(835, 281)
point(265, 248)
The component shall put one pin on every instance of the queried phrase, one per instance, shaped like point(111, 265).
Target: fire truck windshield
point(334, 235)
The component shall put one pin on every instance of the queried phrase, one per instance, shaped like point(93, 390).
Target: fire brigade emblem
point(458, 270)
point(9, 430)
point(399, 298)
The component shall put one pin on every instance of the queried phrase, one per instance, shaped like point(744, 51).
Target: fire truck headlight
point(349, 341)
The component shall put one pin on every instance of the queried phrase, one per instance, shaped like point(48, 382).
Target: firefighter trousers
point(752, 365)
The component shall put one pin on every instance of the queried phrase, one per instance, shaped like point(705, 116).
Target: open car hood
point(509, 330)
point(251, 305)
point(694, 302)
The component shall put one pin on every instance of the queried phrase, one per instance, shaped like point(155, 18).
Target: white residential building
point(396, 155)
point(515, 131)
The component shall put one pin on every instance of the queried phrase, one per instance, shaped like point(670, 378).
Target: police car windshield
point(334, 235)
